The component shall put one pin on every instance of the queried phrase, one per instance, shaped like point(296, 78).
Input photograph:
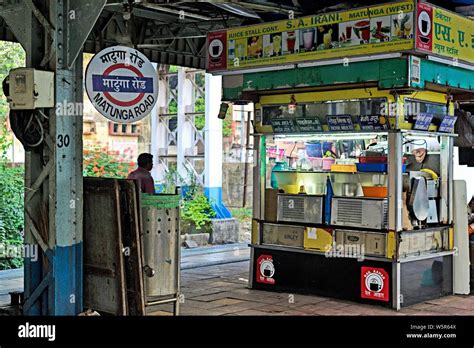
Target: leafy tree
point(12, 56)
point(11, 178)
point(200, 106)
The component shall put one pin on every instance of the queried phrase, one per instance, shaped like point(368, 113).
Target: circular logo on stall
point(121, 83)
point(265, 269)
point(424, 23)
point(374, 282)
point(216, 47)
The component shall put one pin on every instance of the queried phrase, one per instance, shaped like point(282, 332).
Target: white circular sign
point(374, 282)
point(267, 269)
point(424, 23)
point(215, 48)
point(122, 84)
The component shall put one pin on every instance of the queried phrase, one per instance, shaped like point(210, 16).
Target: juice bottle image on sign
point(290, 41)
point(327, 38)
point(308, 38)
point(277, 44)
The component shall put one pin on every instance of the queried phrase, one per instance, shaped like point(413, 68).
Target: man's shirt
point(145, 179)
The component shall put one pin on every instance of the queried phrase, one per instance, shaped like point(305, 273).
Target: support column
point(52, 33)
point(185, 132)
point(159, 135)
point(213, 146)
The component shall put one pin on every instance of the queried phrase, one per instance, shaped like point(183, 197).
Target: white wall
point(463, 173)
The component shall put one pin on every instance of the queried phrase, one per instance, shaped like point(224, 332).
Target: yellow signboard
point(444, 33)
point(364, 31)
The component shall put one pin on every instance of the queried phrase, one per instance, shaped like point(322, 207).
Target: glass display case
point(354, 198)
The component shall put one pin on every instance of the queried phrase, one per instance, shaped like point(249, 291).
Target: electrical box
point(31, 89)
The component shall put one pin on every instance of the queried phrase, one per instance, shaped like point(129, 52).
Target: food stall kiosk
point(353, 126)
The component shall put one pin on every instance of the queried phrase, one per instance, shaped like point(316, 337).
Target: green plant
point(198, 209)
point(227, 126)
point(200, 106)
point(11, 178)
point(11, 212)
point(242, 214)
point(12, 56)
point(172, 179)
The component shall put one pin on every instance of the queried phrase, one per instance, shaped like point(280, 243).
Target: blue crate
point(376, 167)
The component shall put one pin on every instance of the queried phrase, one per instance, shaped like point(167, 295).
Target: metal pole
point(213, 147)
point(247, 148)
point(53, 171)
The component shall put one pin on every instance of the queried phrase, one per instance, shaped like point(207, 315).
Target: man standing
point(142, 173)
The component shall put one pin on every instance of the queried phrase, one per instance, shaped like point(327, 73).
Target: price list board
point(309, 125)
point(373, 122)
point(284, 125)
point(337, 123)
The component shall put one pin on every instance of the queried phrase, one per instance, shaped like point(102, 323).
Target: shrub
point(197, 209)
point(99, 161)
point(11, 211)
point(242, 214)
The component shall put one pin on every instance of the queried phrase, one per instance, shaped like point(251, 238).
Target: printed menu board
point(363, 31)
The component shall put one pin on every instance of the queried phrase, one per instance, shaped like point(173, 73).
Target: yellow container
point(344, 168)
point(319, 239)
point(293, 189)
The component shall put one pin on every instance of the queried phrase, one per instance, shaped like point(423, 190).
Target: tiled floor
point(222, 290)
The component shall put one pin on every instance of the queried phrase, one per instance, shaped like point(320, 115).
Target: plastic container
point(375, 191)
point(373, 159)
point(314, 150)
point(372, 167)
point(316, 162)
point(328, 162)
point(373, 179)
point(344, 168)
point(292, 189)
point(376, 167)
point(376, 159)
point(279, 166)
point(349, 189)
point(286, 178)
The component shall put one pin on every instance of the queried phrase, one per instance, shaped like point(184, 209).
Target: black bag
point(463, 128)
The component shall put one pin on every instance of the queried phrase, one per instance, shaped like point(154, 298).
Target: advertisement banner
point(444, 33)
point(364, 31)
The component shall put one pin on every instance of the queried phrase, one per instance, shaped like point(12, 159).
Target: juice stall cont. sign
point(444, 33)
point(121, 83)
point(391, 27)
point(363, 31)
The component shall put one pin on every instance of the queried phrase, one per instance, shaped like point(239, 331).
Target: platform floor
point(215, 283)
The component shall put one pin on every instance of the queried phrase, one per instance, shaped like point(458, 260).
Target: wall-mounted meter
point(30, 89)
